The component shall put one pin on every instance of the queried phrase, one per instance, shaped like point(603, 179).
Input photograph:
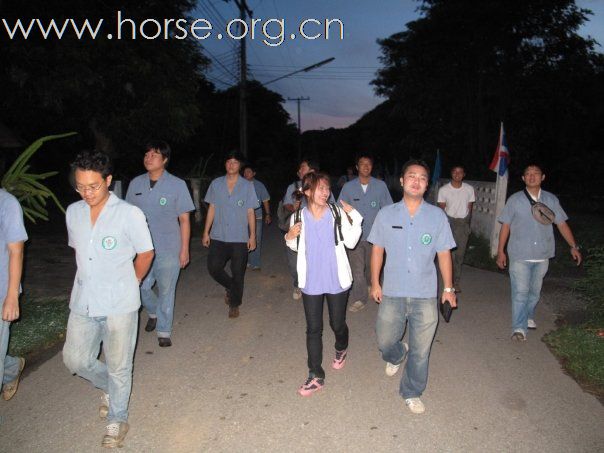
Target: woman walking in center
point(319, 233)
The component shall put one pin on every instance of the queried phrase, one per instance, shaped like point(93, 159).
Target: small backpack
point(337, 224)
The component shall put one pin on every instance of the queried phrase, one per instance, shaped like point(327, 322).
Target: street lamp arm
point(306, 69)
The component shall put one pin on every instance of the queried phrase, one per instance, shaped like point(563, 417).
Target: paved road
point(230, 385)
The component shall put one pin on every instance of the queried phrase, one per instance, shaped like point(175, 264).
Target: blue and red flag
point(501, 158)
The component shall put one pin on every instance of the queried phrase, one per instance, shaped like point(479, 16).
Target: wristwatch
point(576, 247)
point(448, 290)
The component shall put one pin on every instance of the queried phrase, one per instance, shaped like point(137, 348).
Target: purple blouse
point(321, 264)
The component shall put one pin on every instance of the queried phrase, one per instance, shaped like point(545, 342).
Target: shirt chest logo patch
point(374, 204)
point(109, 242)
point(426, 239)
point(239, 203)
point(163, 201)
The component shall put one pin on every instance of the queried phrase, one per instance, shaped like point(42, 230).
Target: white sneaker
point(531, 324)
point(115, 434)
point(391, 368)
point(104, 407)
point(297, 294)
point(415, 405)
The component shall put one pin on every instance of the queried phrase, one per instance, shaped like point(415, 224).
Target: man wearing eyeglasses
point(166, 202)
point(114, 251)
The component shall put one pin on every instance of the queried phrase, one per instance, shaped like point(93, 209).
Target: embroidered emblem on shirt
point(240, 203)
point(163, 201)
point(109, 242)
point(373, 204)
point(426, 239)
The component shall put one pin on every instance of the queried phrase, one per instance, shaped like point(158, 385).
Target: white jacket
point(351, 232)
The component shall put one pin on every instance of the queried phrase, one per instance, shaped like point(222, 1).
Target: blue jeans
point(526, 279)
point(254, 257)
point(164, 274)
point(81, 351)
point(9, 366)
point(422, 315)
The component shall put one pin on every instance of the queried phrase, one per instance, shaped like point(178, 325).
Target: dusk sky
point(339, 92)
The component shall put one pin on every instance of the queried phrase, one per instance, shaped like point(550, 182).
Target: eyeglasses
point(91, 188)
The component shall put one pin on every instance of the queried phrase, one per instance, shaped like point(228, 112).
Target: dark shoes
point(233, 312)
point(164, 342)
point(151, 323)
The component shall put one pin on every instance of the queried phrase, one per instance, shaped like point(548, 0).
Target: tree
point(116, 93)
point(464, 66)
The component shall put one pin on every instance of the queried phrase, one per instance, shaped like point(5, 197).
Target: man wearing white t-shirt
point(457, 198)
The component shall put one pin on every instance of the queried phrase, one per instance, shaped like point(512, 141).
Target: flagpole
point(501, 189)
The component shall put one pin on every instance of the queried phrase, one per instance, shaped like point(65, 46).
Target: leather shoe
point(234, 312)
point(151, 323)
point(164, 342)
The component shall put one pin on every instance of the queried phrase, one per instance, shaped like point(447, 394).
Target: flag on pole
point(437, 170)
point(501, 158)
point(499, 165)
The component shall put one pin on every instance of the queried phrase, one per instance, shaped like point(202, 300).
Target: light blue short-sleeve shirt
point(11, 230)
point(162, 205)
point(529, 239)
point(230, 218)
point(262, 195)
point(411, 243)
point(105, 282)
point(367, 203)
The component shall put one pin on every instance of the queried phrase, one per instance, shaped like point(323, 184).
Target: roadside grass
point(581, 347)
point(42, 324)
point(581, 351)
point(478, 254)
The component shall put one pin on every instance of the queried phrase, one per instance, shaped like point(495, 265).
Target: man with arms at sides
point(107, 234)
point(230, 229)
point(457, 199)
point(12, 239)
point(249, 173)
point(531, 245)
point(166, 202)
point(367, 195)
point(411, 232)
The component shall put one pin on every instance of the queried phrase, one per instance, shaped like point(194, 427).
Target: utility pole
point(298, 100)
point(243, 12)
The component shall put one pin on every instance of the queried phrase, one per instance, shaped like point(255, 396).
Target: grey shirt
point(230, 215)
point(11, 230)
point(105, 282)
point(529, 239)
point(162, 204)
point(367, 203)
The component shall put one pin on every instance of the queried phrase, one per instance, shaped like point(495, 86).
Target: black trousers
point(313, 309)
point(219, 254)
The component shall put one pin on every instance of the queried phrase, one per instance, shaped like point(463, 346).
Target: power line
point(216, 60)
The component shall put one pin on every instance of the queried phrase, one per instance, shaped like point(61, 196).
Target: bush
point(592, 286)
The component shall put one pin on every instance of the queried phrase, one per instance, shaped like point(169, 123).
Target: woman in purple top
point(319, 233)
